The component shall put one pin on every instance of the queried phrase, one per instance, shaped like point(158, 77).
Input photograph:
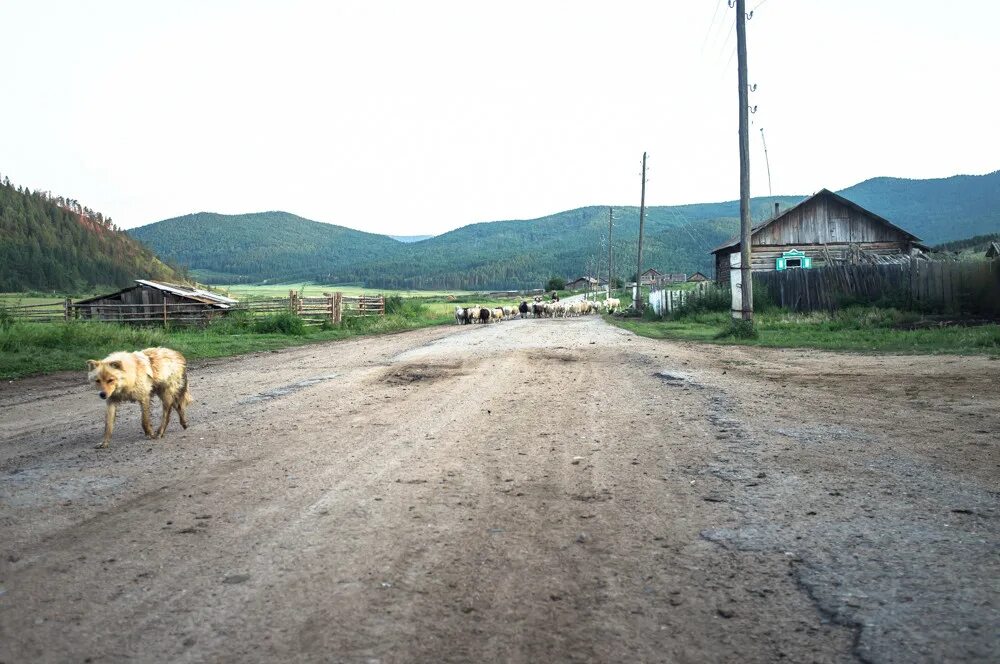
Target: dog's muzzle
point(103, 395)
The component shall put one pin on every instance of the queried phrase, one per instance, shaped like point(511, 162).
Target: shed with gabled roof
point(154, 301)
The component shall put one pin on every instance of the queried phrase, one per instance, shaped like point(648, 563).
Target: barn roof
point(993, 250)
point(186, 292)
point(735, 242)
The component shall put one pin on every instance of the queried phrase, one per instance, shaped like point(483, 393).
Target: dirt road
point(532, 491)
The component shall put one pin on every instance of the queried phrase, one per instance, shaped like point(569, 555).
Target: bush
point(284, 323)
point(408, 307)
point(239, 321)
point(555, 284)
point(712, 299)
point(739, 329)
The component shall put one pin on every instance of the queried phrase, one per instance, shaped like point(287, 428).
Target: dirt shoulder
point(529, 491)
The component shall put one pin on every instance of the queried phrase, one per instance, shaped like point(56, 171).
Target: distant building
point(654, 278)
point(582, 283)
point(698, 276)
point(994, 250)
point(823, 229)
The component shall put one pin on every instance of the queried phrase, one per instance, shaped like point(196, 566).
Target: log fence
point(329, 308)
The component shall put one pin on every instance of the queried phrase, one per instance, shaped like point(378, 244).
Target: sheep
point(459, 315)
point(484, 315)
point(497, 314)
point(612, 304)
point(523, 308)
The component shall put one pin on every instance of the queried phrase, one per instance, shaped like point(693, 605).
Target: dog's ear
point(115, 365)
point(92, 364)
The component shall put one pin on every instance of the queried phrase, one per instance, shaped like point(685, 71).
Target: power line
point(711, 25)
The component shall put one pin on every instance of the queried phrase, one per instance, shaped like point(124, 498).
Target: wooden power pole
point(611, 212)
point(642, 219)
point(741, 59)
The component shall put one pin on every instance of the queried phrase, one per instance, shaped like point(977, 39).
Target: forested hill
point(55, 244)
point(935, 210)
point(265, 245)
point(278, 246)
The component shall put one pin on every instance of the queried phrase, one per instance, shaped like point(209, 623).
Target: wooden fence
point(331, 307)
point(952, 287)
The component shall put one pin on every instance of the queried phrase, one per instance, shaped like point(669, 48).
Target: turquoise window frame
point(781, 263)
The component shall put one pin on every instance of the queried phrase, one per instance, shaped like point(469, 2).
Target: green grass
point(856, 329)
point(36, 348)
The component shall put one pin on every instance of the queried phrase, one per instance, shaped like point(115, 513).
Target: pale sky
point(406, 117)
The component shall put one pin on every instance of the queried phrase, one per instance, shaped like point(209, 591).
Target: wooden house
point(698, 276)
point(823, 229)
point(993, 251)
point(654, 278)
point(154, 302)
point(582, 283)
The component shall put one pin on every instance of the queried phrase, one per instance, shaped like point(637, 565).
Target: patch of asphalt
point(896, 558)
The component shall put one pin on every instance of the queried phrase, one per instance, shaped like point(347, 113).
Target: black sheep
point(484, 315)
point(523, 309)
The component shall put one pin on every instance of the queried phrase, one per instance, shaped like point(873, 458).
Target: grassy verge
point(857, 329)
point(35, 348)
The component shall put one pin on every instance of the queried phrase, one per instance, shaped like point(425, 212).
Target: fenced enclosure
point(952, 287)
point(331, 308)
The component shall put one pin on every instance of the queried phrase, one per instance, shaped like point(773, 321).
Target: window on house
point(793, 262)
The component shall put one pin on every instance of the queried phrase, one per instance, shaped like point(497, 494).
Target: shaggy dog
point(138, 377)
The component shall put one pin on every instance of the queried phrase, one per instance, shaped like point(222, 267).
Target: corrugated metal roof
point(186, 291)
point(197, 294)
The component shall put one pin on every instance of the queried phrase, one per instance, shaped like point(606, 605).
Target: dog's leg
point(147, 420)
point(168, 406)
point(180, 406)
point(109, 424)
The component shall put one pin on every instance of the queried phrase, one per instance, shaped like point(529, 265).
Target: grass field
point(857, 329)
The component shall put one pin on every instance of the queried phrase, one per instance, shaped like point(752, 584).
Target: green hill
point(265, 246)
point(55, 244)
point(936, 210)
point(277, 246)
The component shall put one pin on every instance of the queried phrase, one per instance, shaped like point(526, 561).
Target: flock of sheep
point(536, 309)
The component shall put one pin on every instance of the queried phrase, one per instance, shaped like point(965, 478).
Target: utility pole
point(741, 58)
point(610, 252)
point(642, 219)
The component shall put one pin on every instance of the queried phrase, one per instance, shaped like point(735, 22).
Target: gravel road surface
point(530, 491)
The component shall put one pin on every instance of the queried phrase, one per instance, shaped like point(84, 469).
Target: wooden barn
point(154, 302)
point(823, 229)
point(698, 276)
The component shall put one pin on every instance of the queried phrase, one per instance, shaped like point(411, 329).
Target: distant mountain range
point(411, 238)
point(278, 246)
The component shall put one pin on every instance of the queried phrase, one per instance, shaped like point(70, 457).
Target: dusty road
point(533, 491)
